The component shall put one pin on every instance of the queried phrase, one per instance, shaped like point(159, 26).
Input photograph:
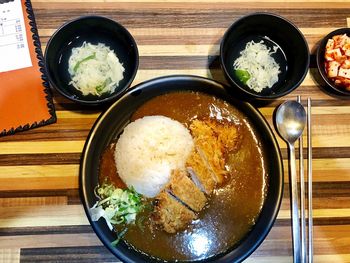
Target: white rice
point(147, 151)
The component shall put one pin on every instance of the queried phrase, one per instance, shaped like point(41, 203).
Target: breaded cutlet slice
point(183, 188)
point(170, 214)
point(209, 148)
point(200, 173)
point(213, 140)
point(227, 134)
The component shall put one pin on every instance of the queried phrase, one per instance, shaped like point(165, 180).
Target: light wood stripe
point(175, 50)
point(178, 50)
point(92, 240)
point(39, 177)
point(77, 114)
point(319, 213)
point(287, 259)
point(196, 49)
point(216, 74)
point(66, 176)
point(9, 255)
point(314, 31)
point(61, 240)
point(324, 137)
point(325, 170)
point(40, 216)
point(36, 216)
point(41, 147)
point(325, 140)
point(189, 6)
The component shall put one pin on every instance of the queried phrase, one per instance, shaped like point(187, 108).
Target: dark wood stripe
point(278, 237)
point(48, 133)
point(186, 18)
point(73, 196)
point(326, 221)
point(332, 189)
point(320, 190)
point(325, 189)
point(190, 6)
point(46, 230)
point(321, 152)
point(80, 229)
point(39, 159)
point(168, 39)
point(177, 62)
point(329, 102)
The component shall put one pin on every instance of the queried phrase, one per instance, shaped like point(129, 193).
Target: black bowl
point(112, 122)
point(320, 62)
point(93, 29)
point(292, 54)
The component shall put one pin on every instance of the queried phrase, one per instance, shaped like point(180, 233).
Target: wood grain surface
point(41, 216)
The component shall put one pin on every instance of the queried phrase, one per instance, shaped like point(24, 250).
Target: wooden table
point(41, 216)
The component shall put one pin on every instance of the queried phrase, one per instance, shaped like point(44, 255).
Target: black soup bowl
point(94, 30)
point(292, 53)
point(111, 123)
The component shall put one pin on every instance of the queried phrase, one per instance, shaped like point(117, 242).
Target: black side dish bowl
point(292, 53)
point(112, 122)
point(92, 29)
point(320, 61)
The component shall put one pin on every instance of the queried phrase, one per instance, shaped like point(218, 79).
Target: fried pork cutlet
point(170, 214)
point(183, 188)
point(213, 139)
point(181, 197)
point(200, 172)
point(227, 134)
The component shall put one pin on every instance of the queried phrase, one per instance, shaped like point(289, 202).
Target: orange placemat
point(25, 96)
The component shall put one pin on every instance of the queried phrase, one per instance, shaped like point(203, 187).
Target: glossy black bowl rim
point(121, 90)
point(320, 66)
point(237, 85)
point(222, 258)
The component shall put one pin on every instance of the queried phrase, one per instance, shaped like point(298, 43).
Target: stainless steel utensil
point(290, 121)
point(302, 198)
point(309, 170)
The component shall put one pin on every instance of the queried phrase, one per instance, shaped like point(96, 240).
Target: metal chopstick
point(309, 170)
point(302, 198)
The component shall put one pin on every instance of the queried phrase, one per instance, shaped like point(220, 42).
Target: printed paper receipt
point(14, 51)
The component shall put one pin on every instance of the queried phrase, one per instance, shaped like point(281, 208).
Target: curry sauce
point(232, 208)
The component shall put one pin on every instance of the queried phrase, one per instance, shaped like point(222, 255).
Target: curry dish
point(211, 205)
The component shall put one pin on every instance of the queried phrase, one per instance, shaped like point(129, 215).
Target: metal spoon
point(290, 121)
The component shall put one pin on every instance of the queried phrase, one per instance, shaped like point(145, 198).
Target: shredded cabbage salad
point(94, 69)
point(256, 67)
point(115, 205)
